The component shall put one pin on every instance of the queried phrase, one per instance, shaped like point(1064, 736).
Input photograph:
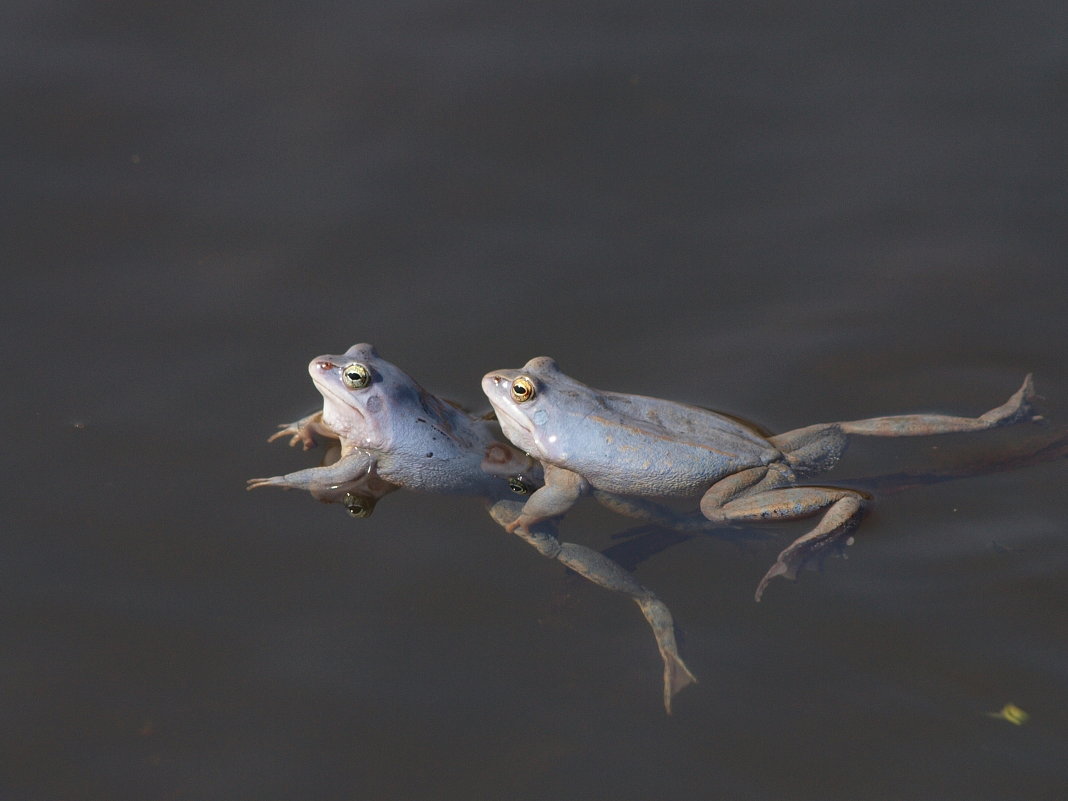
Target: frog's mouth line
point(515, 426)
point(343, 399)
point(513, 417)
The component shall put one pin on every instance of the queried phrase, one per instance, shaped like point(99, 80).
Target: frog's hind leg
point(834, 530)
point(816, 448)
point(1015, 409)
point(602, 571)
point(764, 494)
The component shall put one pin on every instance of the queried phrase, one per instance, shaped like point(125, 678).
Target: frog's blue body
point(623, 447)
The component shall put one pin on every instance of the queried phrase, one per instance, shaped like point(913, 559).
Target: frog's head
point(528, 403)
point(365, 398)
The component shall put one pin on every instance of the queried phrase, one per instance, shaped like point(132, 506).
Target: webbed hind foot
point(676, 675)
point(832, 534)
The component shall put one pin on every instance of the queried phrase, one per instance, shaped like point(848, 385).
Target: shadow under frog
point(391, 433)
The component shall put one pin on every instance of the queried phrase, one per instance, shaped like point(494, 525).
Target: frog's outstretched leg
point(1016, 408)
point(816, 448)
point(602, 571)
point(348, 468)
point(765, 493)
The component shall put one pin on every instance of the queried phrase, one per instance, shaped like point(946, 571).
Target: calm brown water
point(793, 214)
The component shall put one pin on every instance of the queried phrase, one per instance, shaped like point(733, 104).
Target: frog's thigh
point(786, 503)
point(738, 485)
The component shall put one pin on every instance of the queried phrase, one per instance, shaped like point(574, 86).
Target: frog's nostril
point(326, 365)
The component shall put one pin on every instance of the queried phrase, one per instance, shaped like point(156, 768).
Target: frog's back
point(637, 445)
point(438, 448)
point(690, 424)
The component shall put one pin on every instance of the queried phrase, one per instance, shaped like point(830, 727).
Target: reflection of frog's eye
point(355, 375)
point(518, 486)
point(359, 505)
point(522, 390)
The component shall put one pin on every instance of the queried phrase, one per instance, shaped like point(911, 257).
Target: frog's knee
point(815, 449)
point(712, 509)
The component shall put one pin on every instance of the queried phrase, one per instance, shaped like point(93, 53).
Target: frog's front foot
point(302, 431)
point(524, 522)
point(295, 433)
point(273, 481)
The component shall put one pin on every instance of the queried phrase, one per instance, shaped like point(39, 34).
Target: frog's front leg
point(347, 468)
point(305, 430)
point(764, 494)
point(601, 570)
point(561, 490)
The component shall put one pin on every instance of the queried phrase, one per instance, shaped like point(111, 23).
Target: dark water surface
point(796, 213)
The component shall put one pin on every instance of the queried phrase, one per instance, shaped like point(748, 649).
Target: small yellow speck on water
point(135, 159)
point(1012, 713)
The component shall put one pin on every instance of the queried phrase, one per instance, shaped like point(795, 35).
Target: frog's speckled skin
point(626, 447)
point(393, 433)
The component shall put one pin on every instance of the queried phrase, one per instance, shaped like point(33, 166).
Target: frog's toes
point(807, 551)
point(285, 430)
point(1018, 407)
point(273, 481)
point(296, 433)
point(780, 568)
point(676, 677)
point(1027, 393)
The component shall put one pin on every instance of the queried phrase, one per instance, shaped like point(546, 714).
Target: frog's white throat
point(341, 418)
point(517, 428)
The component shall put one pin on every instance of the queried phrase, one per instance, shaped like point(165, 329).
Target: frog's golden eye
point(522, 390)
point(355, 375)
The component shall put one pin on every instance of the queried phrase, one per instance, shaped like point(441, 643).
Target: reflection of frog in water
point(393, 433)
point(627, 447)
